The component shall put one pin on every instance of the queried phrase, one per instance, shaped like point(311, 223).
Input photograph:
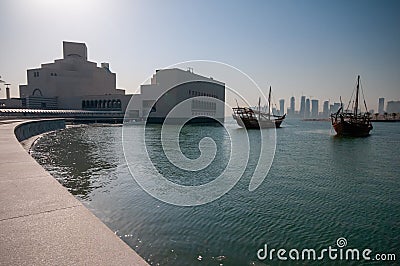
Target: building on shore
point(169, 87)
point(73, 82)
point(307, 110)
point(292, 105)
point(314, 108)
point(302, 106)
point(9, 102)
point(381, 104)
point(334, 107)
point(325, 112)
point(393, 107)
point(281, 106)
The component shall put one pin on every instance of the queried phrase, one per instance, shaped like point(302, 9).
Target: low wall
point(32, 128)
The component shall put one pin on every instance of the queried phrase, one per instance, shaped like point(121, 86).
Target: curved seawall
point(29, 129)
point(41, 223)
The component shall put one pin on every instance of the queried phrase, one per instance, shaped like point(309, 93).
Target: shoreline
point(42, 223)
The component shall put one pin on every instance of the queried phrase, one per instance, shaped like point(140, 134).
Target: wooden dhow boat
point(248, 118)
point(352, 123)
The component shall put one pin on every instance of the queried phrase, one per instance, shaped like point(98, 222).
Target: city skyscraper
point(334, 108)
point(393, 107)
point(326, 109)
point(314, 108)
point(281, 106)
point(302, 106)
point(292, 104)
point(381, 106)
point(307, 109)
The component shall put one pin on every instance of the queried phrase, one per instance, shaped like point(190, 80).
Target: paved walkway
point(41, 223)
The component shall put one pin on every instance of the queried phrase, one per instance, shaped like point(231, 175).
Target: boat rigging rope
point(365, 104)
point(348, 105)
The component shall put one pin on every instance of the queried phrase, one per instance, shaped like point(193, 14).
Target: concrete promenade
point(41, 223)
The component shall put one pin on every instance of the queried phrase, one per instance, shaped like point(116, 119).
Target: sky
point(309, 47)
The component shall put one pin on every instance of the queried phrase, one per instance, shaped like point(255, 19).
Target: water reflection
point(345, 150)
point(77, 158)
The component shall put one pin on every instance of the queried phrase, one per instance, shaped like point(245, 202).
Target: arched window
point(83, 104)
point(37, 92)
point(119, 103)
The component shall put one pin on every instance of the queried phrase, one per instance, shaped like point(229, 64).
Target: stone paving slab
point(14, 171)
point(32, 195)
point(41, 223)
point(13, 156)
point(71, 236)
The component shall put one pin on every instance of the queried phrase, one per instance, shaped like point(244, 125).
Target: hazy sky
point(315, 48)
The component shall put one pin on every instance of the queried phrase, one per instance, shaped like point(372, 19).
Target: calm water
point(319, 188)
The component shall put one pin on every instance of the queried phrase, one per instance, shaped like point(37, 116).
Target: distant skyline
point(313, 48)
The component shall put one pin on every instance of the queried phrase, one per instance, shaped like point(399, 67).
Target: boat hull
point(344, 128)
point(256, 124)
point(247, 118)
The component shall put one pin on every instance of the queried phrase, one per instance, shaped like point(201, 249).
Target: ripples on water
point(319, 188)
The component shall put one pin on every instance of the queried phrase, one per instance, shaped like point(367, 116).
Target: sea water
point(319, 188)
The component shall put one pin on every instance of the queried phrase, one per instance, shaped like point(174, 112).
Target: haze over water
point(319, 188)
point(313, 48)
